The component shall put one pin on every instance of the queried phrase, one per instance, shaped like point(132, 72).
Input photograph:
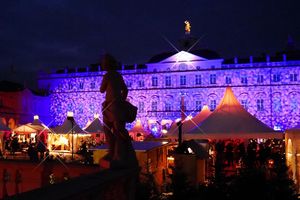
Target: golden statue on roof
point(187, 27)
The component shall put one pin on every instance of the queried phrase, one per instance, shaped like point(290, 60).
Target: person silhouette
point(120, 152)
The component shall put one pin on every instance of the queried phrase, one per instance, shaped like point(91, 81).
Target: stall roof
point(95, 127)
point(138, 128)
point(190, 124)
point(67, 127)
point(231, 120)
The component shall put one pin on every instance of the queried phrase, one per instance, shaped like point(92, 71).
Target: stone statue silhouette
point(121, 153)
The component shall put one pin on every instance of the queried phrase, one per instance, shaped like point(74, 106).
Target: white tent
point(231, 120)
point(138, 132)
point(189, 124)
point(65, 136)
point(35, 127)
point(31, 130)
point(96, 129)
point(68, 127)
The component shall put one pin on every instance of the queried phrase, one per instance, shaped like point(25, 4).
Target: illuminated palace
point(267, 87)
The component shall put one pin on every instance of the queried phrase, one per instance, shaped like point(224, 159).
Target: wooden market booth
point(151, 155)
point(66, 138)
point(229, 121)
point(95, 128)
point(138, 133)
point(292, 144)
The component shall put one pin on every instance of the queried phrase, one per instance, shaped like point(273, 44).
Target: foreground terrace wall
point(106, 185)
point(21, 176)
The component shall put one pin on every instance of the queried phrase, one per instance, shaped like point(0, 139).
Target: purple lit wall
point(268, 90)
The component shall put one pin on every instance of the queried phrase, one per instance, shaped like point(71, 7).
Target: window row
point(213, 80)
point(168, 106)
point(197, 80)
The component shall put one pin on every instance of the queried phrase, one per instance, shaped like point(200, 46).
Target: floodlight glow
point(35, 117)
point(164, 131)
point(170, 158)
point(96, 115)
point(70, 114)
point(188, 118)
point(190, 150)
point(177, 120)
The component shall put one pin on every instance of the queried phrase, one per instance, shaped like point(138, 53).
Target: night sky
point(41, 35)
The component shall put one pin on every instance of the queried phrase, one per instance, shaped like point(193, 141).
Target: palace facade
point(268, 87)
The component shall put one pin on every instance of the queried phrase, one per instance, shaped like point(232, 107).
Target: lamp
point(70, 116)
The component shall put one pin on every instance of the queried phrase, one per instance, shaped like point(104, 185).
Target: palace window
point(168, 80)
point(70, 86)
point(182, 80)
point(245, 104)
point(213, 105)
point(198, 79)
point(92, 108)
point(69, 107)
point(154, 106)
point(294, 105)
point(244, 80)
point(129, 83)
point(293, 77)
point(277, 105)
point(93, 85)
point(260, 79)
point(213, 78)
point(80, 109)
point(228, 80)
point(141, 107)
point(198, 105)
point(168, 106)
point(276, 77)
point(81, 85)
point(154, 81)
point(260, 104)
point(141, 83)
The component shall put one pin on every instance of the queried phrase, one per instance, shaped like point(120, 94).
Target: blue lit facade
point(269, 90)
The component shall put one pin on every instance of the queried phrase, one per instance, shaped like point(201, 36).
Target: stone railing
point(106, 185)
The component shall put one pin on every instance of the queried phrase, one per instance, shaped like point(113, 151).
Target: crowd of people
point(250, 153)
point(35, 148)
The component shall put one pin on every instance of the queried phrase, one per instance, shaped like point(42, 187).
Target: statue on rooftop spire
point(187, 27)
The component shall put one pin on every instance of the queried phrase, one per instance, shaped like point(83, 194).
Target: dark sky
point(41, 34)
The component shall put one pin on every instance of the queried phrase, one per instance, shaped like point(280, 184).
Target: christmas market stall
point(292, 146)
point(231, 121)
point(66, 138)
point(95, 128)
point(30, 132)
point(189, 123)
point(138, 133)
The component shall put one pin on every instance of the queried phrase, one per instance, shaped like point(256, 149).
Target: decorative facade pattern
point(268, 90)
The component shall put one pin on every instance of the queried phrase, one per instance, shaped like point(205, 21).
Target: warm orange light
point(170, 158)
point(187, 27)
